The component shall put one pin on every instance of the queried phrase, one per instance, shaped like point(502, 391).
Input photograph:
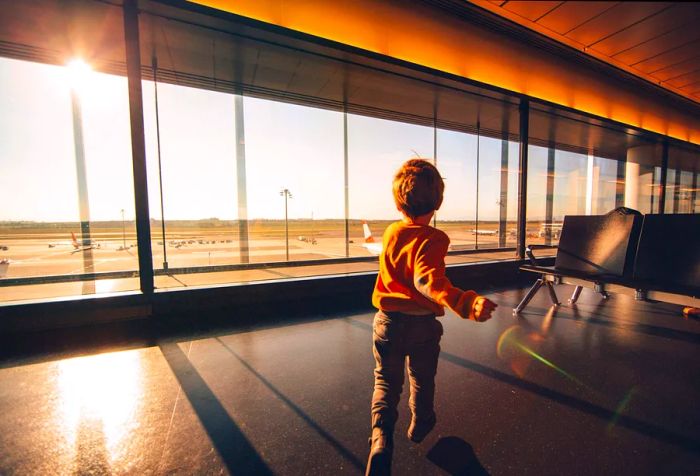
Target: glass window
point(497, 200)
point(682, 181)
point(457, 162)
point(578, 166)
point(376, 150)
point(295, 182)
point(480, 206)
point(66, 153)
point(192, 162)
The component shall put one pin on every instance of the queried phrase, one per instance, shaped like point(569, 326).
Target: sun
point(79, 75)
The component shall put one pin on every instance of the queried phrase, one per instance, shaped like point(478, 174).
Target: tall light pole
point(286, 194)
point(123, 231)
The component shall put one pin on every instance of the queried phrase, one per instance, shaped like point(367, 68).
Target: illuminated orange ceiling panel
point(432, 38)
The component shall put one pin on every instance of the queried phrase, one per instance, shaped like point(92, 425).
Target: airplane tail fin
point(75, 241)
point(368, 233)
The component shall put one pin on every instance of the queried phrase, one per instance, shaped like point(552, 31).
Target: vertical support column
point(524, 111)
point(503, 197)
point(589, 184)
point(549, 206)
point(138, 145)
point(664, 174)
point(632, 184)
point(595, 187)
point(243, 243)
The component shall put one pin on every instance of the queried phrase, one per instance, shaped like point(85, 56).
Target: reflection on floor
point(604, 388)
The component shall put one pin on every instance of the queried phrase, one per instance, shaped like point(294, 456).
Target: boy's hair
point(418, 188)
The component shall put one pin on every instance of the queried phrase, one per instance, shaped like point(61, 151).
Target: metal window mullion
point(346, 192)
point(138, 145)
point(524, 110)
point(478, 151)
point(676, 191)
point(435, 151)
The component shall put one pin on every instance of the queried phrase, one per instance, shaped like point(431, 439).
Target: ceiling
point(657, 41)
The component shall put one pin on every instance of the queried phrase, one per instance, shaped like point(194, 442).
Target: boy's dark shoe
point(419, 429)
point(381, 448)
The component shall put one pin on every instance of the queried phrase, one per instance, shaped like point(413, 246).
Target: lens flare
point(517, 360)
point(546, 362)
point(510, 337)
point(502, 340)
point(621, 407)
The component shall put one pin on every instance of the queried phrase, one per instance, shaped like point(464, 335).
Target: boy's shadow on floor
point(457, 457)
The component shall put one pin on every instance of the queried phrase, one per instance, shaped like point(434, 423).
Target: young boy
point(411, 290)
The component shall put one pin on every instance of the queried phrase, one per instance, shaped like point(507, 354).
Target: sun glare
point(79, 73)
point(105, 388)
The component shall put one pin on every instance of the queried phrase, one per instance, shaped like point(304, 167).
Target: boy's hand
point(482, 309)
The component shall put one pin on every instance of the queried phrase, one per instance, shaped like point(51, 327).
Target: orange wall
point(432, 38)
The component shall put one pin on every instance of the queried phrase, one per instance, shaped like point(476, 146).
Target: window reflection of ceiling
point(198, 48)
point(657, 41)
point(464, 40)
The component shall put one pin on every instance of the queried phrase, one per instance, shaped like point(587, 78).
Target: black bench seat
point(655, 258)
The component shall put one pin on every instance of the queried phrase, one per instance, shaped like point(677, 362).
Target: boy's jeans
point(397, 336)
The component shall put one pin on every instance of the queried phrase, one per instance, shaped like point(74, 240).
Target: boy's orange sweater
point(412, 273)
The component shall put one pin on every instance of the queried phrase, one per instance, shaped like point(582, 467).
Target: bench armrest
point(530, 255)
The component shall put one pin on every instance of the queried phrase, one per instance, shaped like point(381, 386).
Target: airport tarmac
point(31, 256)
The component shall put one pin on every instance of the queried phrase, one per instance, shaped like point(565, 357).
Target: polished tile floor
point(608, 387)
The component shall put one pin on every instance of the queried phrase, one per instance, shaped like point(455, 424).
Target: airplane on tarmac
point(372, 246)
point(78, 245)
point(484, 232)
point(82, 245)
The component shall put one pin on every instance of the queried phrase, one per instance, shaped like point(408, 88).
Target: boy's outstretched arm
point(431, 281)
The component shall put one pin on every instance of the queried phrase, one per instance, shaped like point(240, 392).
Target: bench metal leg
point(552, 294)
point(600, 289)
point(576, 294)
point(528, 297)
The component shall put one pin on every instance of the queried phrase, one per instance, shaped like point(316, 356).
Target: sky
point(286, 146)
